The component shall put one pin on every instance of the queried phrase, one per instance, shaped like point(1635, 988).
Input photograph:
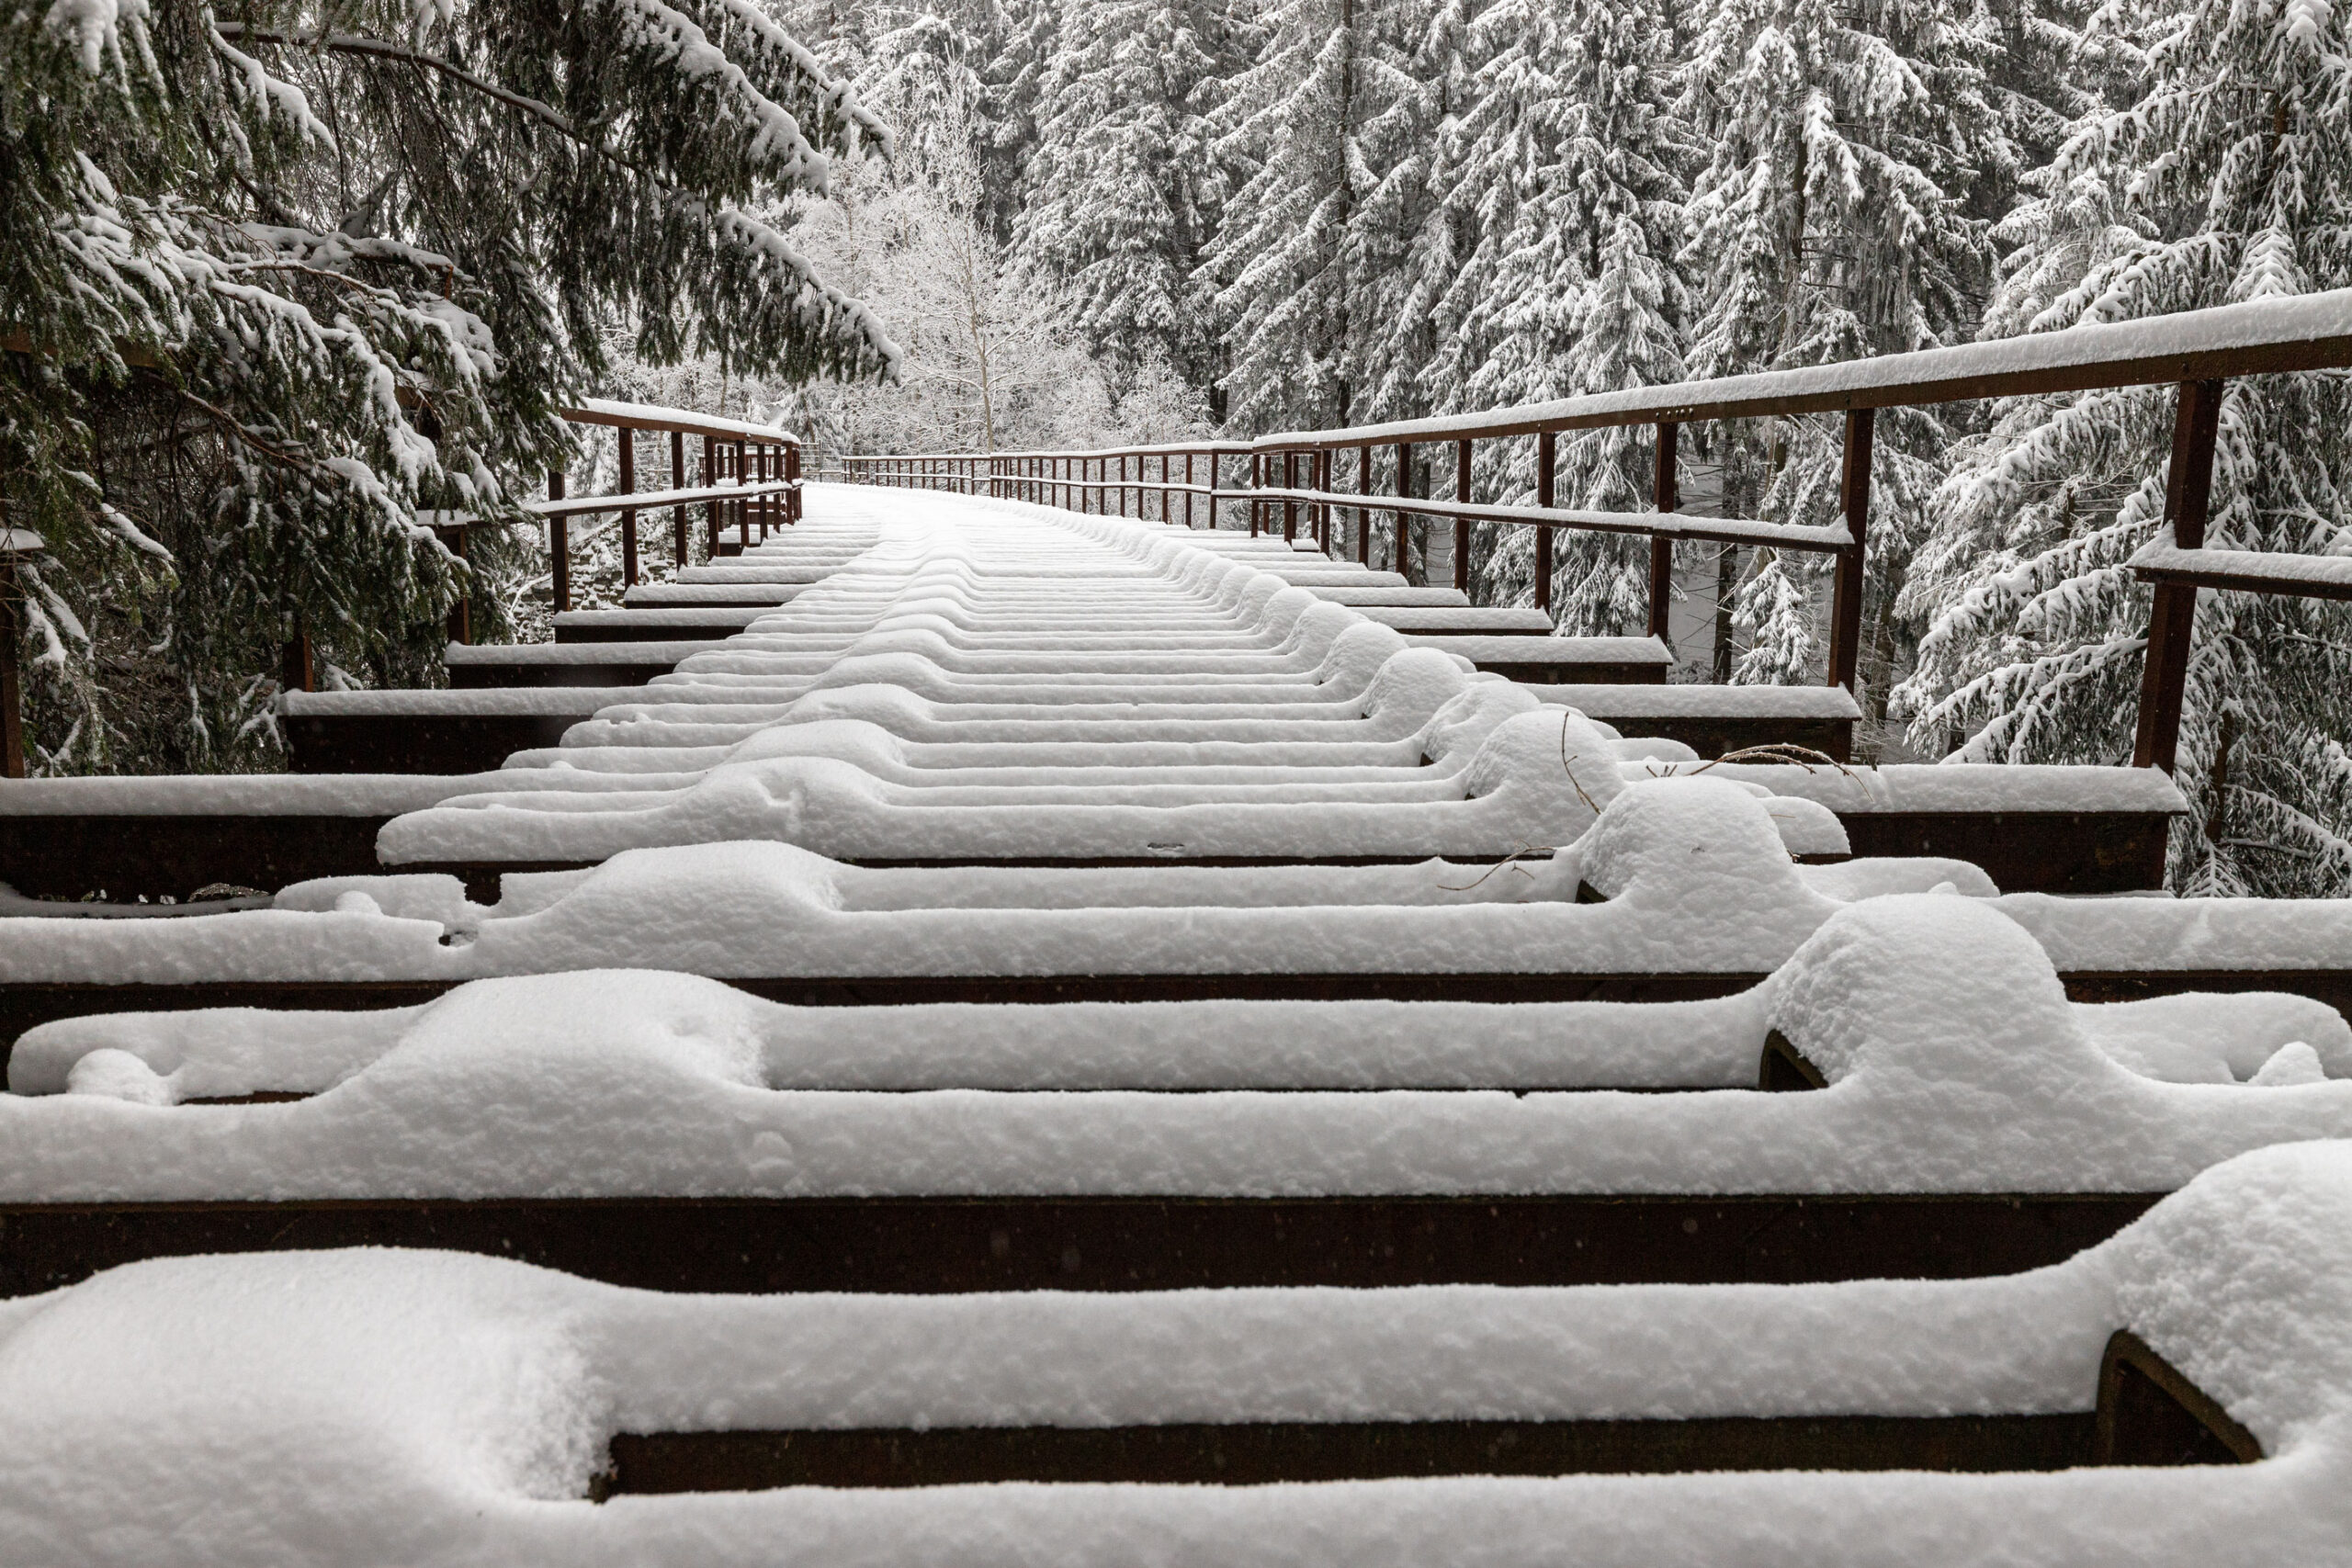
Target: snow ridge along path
point(982, 741)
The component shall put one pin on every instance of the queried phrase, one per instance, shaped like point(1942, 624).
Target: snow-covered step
point(1716, 720)
point(432, 731)
point(635, 1087)
point(662, 625)
point(566, 664)
point(1607, 661)
point(446, 1397)
point(688, 595)
point(1401, 598)
point(1458, 621)
point(1696, 893)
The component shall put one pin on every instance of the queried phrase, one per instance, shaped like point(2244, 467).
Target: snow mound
point(2242, 1280)
point(354, 1405)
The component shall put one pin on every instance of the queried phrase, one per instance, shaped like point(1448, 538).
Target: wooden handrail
point(2196, 351)
point(2311, 332)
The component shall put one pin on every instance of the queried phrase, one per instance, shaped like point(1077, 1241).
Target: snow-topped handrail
point(2195, 350)
point(725, 490)
point(2249, 571)
point(683, 422)
point(1069, 479)
point(2311, 332)
point(745, 465)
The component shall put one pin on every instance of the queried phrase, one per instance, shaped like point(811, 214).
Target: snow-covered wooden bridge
point(991, 991)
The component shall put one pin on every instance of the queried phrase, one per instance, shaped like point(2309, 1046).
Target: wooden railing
point(1076, 481)
point(2195, 351)
point(750, 477)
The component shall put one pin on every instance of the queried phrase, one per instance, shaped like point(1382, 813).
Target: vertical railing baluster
point(1547, 459)
point(628, 454)
point(709, 476)
point(558, 549)
point(1404, 492)
point(1846, 597)
point(1462, 524)
point(678, 529)
point(2172, 622)
point(1667, 496)
point(1364, 513)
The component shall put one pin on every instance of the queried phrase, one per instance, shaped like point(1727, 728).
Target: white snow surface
point(427, 1409)
point(1955, 1063)
point(1694, 874)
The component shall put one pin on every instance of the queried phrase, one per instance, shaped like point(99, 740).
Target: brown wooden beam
point(1854, 497)
point(2189, 490)
point(558, 548)
point(1665, 495)
point(1547, 459)
point(1462, 524)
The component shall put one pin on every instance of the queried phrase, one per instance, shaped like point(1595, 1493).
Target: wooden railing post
point(1404, 492)
point(1364, 513)
point(627, 438)
point(1323, 508)
point(709, 476)
point(298, 668)
point(2188, 495)
point(678, 540)
point(558, 549)
point(1290, 507)
point(792, 472)
point(1257, 468)
point(1462, 524)
point(1668, 496)
point(1188, 490)
point(743, 504)
point(1547, 459)
point(1854, 499)
point(12, 692)
point(461, 612)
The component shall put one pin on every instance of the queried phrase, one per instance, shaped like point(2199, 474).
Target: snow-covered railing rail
point(738, 454)
point(745, 467)
point(2195, 350)
point(2248, 571)
point(1079, 481)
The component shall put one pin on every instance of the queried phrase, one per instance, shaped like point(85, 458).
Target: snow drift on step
point(433, 1409)
point(1955, 1062)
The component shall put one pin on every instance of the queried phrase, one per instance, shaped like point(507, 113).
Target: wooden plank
point(945, 1245)
point(131, 857)
point(1257, 1454)
point(2171, 621)
point(2149, 1414)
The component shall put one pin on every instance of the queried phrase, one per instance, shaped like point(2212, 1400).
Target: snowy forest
point(1067, 224)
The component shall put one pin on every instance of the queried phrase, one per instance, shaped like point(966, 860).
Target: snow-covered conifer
point(1831, 224)
point(1122, 194)
point(1563, 177)
point(2225, 178)
point(1287, 276)
point(280, 282)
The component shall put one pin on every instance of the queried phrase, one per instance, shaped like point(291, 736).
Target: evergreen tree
point(1285, 267)
point(1831, 222)
point(1122, 194)
point(2226, 178)
point(277, 285)
point(1563, 177)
